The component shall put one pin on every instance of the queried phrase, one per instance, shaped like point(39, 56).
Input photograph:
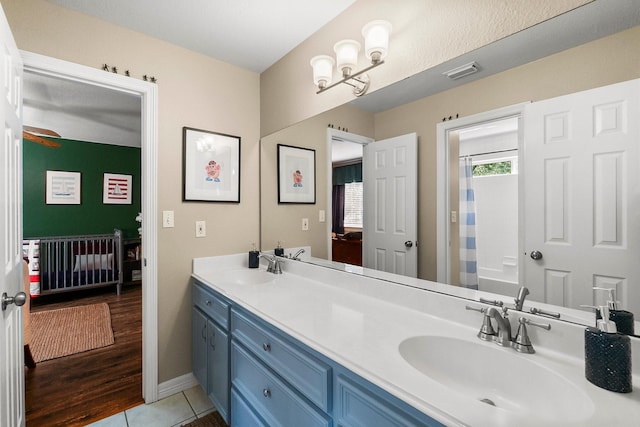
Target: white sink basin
point(498, 376)
point(246, 276)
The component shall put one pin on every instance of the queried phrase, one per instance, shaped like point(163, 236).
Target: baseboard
point(176, 385)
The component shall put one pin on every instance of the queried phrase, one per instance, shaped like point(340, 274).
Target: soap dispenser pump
point(607, 356)
point(623, 319)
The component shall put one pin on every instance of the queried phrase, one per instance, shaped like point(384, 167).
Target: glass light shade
point(376, 40)
point(322, 70)
point(347, 55)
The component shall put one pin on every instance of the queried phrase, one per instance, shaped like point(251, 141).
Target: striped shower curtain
point(468, 261)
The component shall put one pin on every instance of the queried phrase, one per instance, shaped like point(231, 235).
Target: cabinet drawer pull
point(266, 346)
point(266, 393)
point(207, 302)
point(204, 332)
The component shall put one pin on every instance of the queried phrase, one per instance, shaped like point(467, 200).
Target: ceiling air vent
point(462, 71)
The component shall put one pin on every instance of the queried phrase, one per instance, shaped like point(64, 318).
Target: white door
point(390, 226)
point(12, 412)
point(582, 196)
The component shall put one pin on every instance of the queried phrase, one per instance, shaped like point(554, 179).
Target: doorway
point(347, 202)
point(448, 160)
point(485, 254)
point(39, 64)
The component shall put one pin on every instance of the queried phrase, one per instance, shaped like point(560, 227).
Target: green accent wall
point(91, 216)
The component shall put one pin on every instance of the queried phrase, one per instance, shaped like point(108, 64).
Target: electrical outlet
point(167, 219)
point(321, 216)
point(201, 229)
point(454, 217)
point(305, 224)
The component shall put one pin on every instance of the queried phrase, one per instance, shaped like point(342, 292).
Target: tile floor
point(176, 410)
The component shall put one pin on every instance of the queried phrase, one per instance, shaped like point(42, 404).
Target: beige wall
point(193, 90)
point(609, 60)
point(283, 222)
point(425, 33)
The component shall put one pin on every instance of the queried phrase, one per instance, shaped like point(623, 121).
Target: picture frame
point(63, 188)
point(211, 166)
point(296, 175)
point(117, 189)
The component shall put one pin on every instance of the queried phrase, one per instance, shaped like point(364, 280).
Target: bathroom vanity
point(319, 347)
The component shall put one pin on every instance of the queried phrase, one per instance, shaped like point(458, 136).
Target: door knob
point(18, 300)
point(408, 243)
point(536, 255)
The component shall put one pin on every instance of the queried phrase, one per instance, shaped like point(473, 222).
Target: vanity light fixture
point(376, 46)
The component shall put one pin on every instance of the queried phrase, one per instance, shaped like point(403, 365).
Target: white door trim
point(346, 136)
point(443, 261)
point(149, 92)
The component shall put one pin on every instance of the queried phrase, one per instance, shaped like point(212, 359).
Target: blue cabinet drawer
point(304, 372)
point(275, 401)
point(212, 305)
point(242, 414)
point(362, 405)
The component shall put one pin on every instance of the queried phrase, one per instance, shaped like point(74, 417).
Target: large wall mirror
point(587, 48)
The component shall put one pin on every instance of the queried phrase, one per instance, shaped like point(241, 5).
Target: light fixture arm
point(359, 88)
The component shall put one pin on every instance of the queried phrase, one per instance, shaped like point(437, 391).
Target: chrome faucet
point(297, 254)
point(275, 263)
point(519, 300)
point(503, 333)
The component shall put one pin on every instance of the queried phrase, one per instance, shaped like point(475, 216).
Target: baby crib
point(70, 263)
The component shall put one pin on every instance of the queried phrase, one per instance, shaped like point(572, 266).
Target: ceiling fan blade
point(40, 140)
point(41, 131)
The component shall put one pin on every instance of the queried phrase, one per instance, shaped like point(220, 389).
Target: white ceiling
point(234, 31)
point(251, 34)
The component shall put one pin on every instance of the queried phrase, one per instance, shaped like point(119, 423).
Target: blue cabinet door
point(199, 347)
point(218, 368)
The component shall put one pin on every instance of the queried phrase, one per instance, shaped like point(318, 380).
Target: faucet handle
point(486, 332)
point(497, 303)
point(522, 343)
point(535, 310)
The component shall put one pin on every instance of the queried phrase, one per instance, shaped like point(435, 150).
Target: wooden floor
point(82, 388)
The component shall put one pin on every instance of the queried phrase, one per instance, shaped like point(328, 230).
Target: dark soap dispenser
point(254, 257)
point(279, 250)
point(607, 356)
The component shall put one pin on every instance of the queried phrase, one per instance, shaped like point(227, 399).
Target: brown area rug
point(65, 331)
point(210, 420)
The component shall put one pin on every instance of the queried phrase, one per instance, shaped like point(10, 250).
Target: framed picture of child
point(296, 175)
point(211, 166)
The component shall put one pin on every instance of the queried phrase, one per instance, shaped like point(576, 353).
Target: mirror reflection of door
point(391, 205)
point(484, 204)
point(582, 197)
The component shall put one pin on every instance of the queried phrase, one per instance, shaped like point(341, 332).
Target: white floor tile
point(167, 412)
point(199, 400)
point(117, 420)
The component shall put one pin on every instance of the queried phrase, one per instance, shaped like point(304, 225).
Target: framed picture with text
point(63, 188)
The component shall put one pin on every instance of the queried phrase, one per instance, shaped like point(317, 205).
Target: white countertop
point(360, 322)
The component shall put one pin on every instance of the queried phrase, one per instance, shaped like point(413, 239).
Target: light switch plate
point(321, 216)
point(201, 229)
point(167, 219)
point(305, 224)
